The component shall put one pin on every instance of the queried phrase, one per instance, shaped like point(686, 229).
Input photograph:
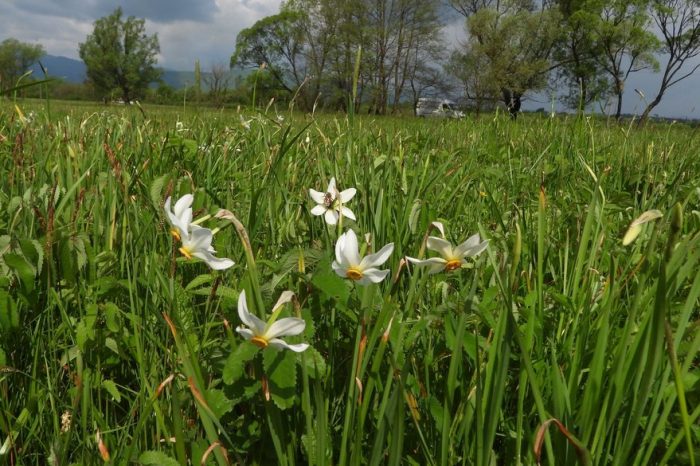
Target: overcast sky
point(206, 30)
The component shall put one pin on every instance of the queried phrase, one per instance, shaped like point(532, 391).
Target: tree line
point(378, 55)
point(586, 48)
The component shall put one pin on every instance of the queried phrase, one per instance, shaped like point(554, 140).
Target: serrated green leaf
point(111, 388)
point(235, 364)
point(217, 401)
point(330, 284)
point(281, 370)
point(315, 364)
point(157, 458)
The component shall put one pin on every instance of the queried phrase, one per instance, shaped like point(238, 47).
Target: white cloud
point(60, 30)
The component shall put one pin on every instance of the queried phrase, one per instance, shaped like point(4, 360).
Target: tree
point(120, 56)
point(509, 48)
point(273, 42)
point(679, 24)
point(15, 58)
point(218, 81)
point(623, 44)
point(575, 54)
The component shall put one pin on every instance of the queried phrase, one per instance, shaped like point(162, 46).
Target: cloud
point(163, 11)
point(187, 30)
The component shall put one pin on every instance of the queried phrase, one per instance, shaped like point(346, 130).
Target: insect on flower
point(331, 203)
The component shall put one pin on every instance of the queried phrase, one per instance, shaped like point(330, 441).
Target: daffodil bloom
point(264, 334)
point(452, 258)
point(330, 203)
point(180, 216)
point(197, 243)
point(349, 264)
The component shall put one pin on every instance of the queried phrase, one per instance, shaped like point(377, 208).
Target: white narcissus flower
point(180, 216)
point(349, 264)
point(330, 203)
point(197, 243)
point(451, 258)
point(264, 334)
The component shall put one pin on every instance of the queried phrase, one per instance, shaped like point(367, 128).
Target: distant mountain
point(73, 71)
point(64, 68)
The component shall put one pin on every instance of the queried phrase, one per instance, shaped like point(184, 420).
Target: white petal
point(318, 197)
point(184, 220)
point(440, 245)
point(378, 258)
point(318, 210)
point(245, 332)
point(200, 238)
point(281, 344)
point(347, 194)
point(213, 262)
point(472, 241)
point(372, 276)
point(286, 326)
point(350, 249)
point(339, 269)
point(331, 217)
point(185, 202)
point(436, 264)
point(331, 187)
point(347, 213)
point(166, 206)
point(440, 227)
point(284, 298)
point(255, 324)
point(339, 247)
point(472, 250)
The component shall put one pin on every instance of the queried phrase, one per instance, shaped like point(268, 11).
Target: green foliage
point(120, 56)
point(15, 58)
point(103, 327)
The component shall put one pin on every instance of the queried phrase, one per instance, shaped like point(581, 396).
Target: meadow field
point(567, 332)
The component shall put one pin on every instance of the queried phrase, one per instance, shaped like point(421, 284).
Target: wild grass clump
point(547, 340)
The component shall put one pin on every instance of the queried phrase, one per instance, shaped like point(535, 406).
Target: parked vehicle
point(435, 107)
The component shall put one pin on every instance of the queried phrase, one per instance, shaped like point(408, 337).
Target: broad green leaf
point(157, 458)
point(199, 281)
point(24, 270)
point(235, 364)
point(156, 190)
point(217, 401)
point(315, 364)
point(281, 371)
point(329, 283)
point(33, 252)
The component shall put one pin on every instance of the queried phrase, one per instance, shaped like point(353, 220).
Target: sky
point(206, 30)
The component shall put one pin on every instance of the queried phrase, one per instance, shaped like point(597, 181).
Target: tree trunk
point(619, 89)
point(650, 107)
point(513, 101)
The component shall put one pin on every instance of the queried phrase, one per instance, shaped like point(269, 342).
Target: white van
point(440, 108)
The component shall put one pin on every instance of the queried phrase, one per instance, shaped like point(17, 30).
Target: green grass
point(104, 323)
